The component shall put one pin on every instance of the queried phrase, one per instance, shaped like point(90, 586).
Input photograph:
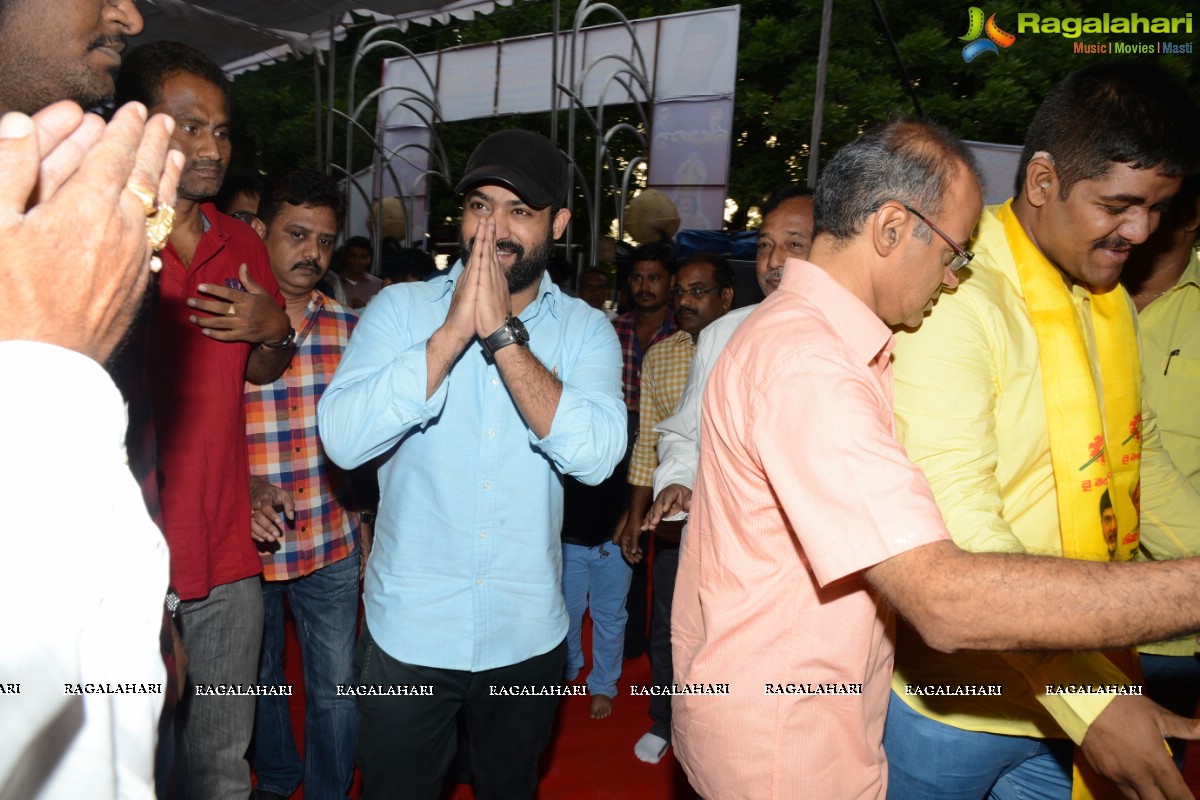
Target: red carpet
point(593, 759)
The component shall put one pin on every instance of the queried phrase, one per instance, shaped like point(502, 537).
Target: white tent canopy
point(242, 34)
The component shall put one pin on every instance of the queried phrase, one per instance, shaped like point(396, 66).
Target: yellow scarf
point(1095, 447)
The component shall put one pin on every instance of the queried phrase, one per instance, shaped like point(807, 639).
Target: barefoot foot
point(601, 706)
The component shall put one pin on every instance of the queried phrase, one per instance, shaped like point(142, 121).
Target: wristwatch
point(288, 341)
point(511, 332)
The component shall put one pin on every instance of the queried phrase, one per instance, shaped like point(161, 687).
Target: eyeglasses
point(696, 292)
point(246, 216)
point(961, 257)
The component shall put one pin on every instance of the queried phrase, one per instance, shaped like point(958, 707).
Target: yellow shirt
point(1170, 333)
point(664, 374)
point(970, 412)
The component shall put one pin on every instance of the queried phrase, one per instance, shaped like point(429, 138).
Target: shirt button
point(495, 381)
point(483, 534)
point(297, 449)
point(300, 490)
point(487, 484)
point(479, 581)
point(491, 433)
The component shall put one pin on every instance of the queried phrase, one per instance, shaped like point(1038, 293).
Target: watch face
point(519, 332)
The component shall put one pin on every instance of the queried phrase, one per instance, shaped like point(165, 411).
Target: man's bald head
point(53, 50)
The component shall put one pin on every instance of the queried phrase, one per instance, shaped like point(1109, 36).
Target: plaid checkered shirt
point(664, 373)
point(281, 434)
point(631, 353)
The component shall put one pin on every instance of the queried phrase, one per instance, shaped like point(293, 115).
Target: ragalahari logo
point(976, 27)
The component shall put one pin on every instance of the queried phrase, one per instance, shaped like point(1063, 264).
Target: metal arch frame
point(632, 76)
point(569, 79)
point(424, 106)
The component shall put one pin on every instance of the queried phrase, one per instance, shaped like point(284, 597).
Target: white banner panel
point(691, 61)
point(526, 77)
point(697, 54)
point(603, 48)
point(701, 208)
point(690, 143)
point(398, 107)
point(467, 82)
point(409, 151)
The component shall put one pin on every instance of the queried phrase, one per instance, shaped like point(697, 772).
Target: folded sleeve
point(1074, 712)
point(589, 432)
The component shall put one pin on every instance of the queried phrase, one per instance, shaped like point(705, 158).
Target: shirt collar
point(864, 333)
point(679, 338)
point(1191, 273)
point(214, 220)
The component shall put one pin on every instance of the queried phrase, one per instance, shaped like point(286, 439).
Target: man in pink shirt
point(809, 523)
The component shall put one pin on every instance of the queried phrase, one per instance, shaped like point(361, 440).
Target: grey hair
point(909, 160)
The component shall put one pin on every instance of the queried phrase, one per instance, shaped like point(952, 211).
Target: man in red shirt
point(217, 323)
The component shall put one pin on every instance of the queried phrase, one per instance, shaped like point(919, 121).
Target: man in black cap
point(481, 389)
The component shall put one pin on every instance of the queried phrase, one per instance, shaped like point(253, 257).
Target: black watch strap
point(511, 332)
point(288, 341)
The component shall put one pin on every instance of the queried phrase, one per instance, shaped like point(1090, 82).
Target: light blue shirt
point(466, 568)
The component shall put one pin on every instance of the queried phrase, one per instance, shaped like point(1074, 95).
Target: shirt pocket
point(1176, 404)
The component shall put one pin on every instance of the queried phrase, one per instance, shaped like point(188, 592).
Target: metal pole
point(554, 77)
point(316, 57)
point(814, 153)
point(331, 94)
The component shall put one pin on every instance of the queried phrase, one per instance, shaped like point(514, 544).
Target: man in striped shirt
point(300, 501)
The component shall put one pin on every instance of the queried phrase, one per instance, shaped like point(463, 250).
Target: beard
point(200, 187)
point(528, 266)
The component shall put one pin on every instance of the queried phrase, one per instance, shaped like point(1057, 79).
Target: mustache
point(501, 244)
point(310, 263)
point(773, 275)
point(1114, 243)
point(114, 42)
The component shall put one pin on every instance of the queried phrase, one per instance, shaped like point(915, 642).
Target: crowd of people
point(923, 523)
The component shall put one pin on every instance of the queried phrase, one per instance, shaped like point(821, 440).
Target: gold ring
point(232, 310)
point(159, 224)
point(149, 199)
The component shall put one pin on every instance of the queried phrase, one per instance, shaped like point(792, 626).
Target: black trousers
point(406, 743)
point(666, 565)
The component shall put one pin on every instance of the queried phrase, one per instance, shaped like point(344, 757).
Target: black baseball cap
point(523, 161)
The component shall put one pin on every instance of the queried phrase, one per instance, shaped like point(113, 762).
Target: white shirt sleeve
point(82, 584)
point(679, 434)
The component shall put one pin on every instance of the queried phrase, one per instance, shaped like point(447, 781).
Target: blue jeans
point(930, 760)
point(325, 605)
point(596, 576)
